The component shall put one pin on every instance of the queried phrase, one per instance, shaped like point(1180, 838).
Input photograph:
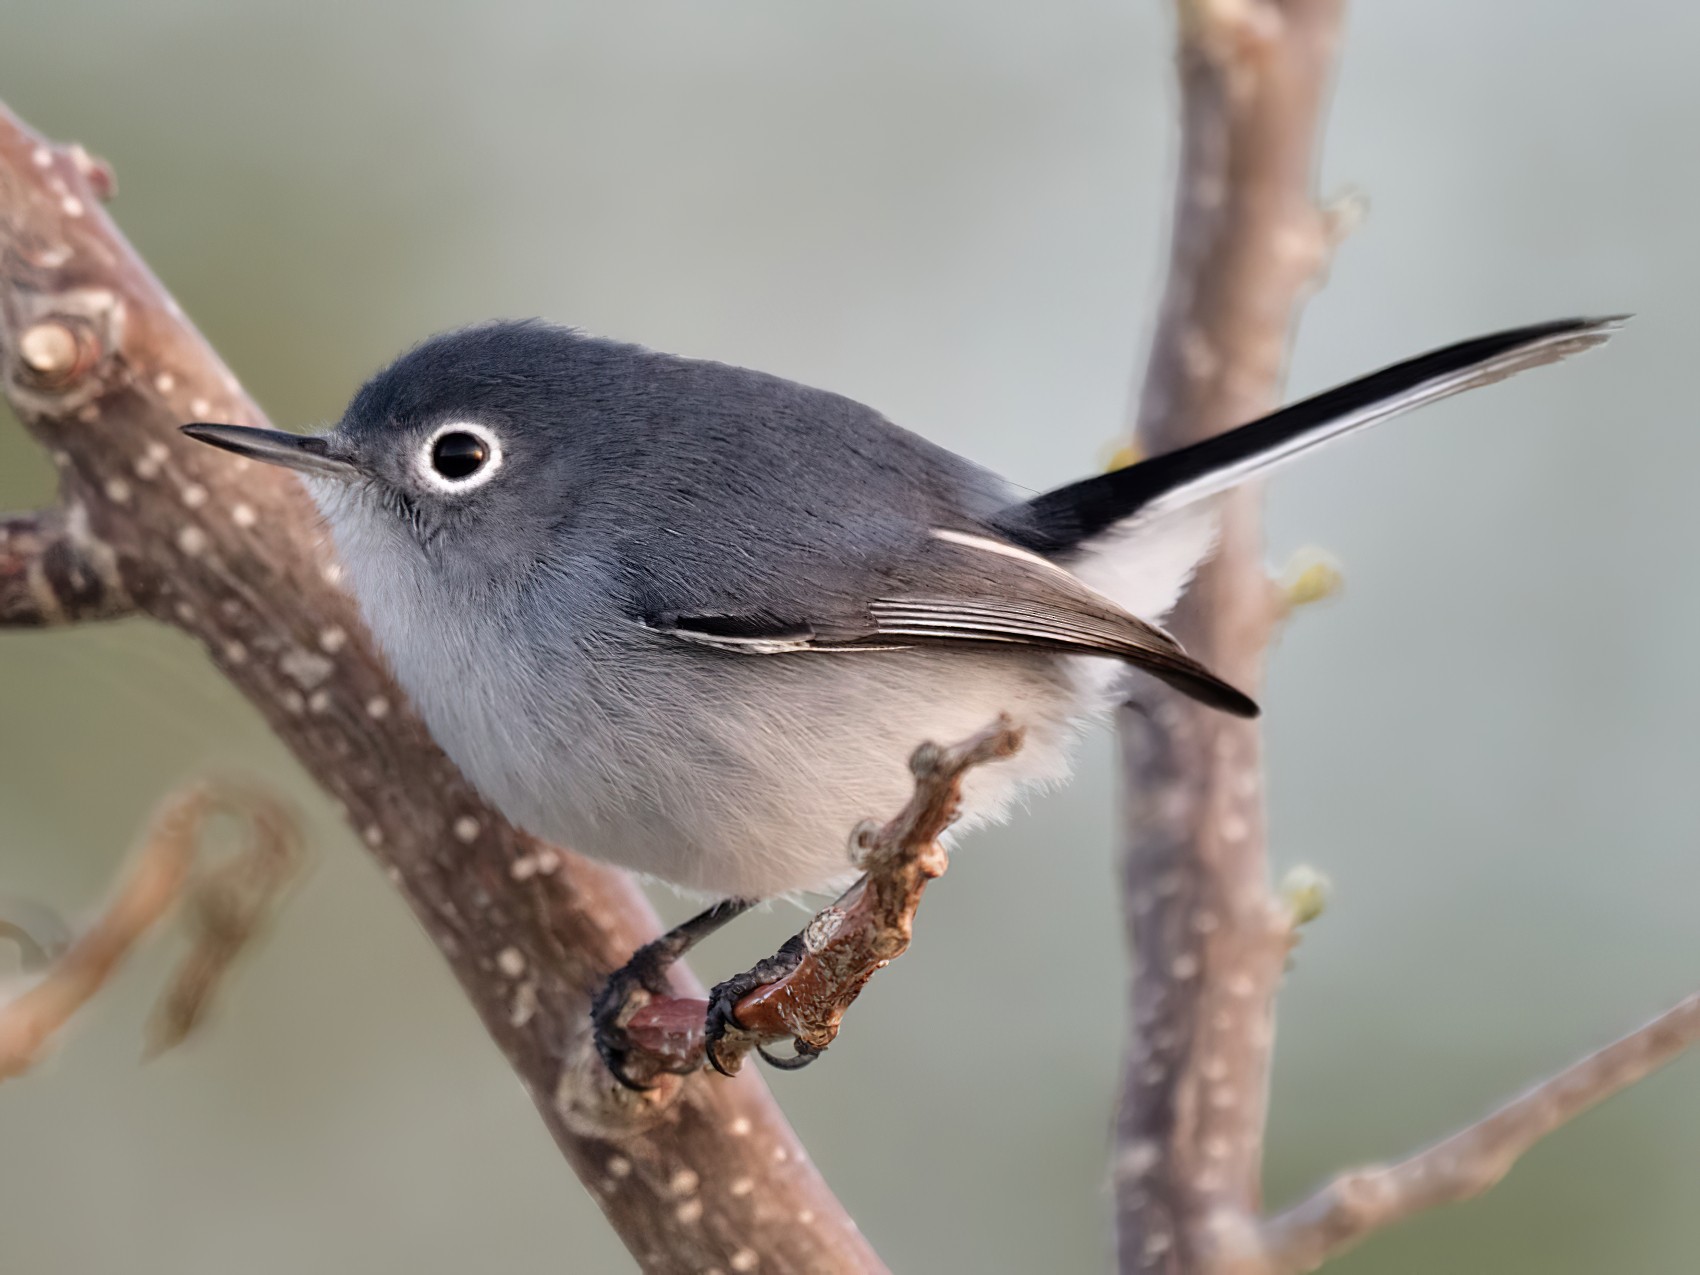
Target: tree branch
point(1473, 1160)
point(697, 1174)
point(1208, 939)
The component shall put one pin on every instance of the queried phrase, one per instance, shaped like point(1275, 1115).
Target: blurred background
point(954, 210)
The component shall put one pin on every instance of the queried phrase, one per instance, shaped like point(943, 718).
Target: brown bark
point(1208, 937)
point(102, 366)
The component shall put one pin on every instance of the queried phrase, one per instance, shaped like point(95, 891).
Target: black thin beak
point(304, 452)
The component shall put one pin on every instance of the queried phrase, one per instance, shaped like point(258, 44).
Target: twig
point(227, 906)
point(233, 554)
point(1208, 939)
point(158, 880)
point(1357, 1204)
point(51, 575)
point(852, 939)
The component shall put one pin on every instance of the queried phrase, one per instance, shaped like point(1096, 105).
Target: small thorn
point(1305, 891)
point(1122, 455)
point(1343, 213)
point(1311, 575)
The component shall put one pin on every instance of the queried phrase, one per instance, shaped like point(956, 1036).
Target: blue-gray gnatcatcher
point(693, 619)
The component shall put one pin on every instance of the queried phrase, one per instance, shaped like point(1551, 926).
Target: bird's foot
point(635, 984)
point(644, 979)
point(723, 1010)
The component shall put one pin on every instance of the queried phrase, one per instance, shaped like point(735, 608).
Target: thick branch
point(1208, 939)
point(52, 574)
point(695, 1175)
point(1357, 1204)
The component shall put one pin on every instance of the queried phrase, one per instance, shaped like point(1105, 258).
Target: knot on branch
point(55, 352)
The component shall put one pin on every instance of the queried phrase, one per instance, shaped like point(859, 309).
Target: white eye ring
point(431, 476)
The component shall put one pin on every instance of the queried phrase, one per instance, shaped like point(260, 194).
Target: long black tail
point(1059, 520)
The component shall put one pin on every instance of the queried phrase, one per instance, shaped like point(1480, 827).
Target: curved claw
point(723, 1001)
point(806, 1054)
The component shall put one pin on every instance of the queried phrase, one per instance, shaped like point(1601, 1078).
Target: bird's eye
point(458, 455)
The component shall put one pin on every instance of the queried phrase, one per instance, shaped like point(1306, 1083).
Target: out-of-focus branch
point(1208, 938)
point(694, 1175)
point(849, 941)
point(1471, 1161)
point(160, 877)
point(226, 906)
point(51, 575)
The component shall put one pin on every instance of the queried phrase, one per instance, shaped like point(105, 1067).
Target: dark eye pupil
point(458, 455)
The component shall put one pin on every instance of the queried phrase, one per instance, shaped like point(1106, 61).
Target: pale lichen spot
point(293, 702)
point(780, 1155)
point(117, 491)
point(740, 1127)
point(319, 701)
point(689, 1212)
point(740, 1187)
point(684, 1182)
point(744, 1259)
point(89, 413)
point(805, 1217)
point(332, 573)
point(466, 830)
point(184, 612)
point(305, 668)
point(523, 868)
point(373, 836)
point(1235, 827)
point(42, 156)
point(1199, 355)
point(1241, 985)
point(377, 708)
point(524, 1008)
point(1139, 1159)
point(243, 515)
point(200, 407)
point(619, 1166)
point(235, 653)
point(1185, 966)
point(511, 961)
point(151, 461)
point(1217, 1147)
point(332, 640)
point(165, 382)
point(547, 861)
point(192, 540)
point(194, 495)
point(72, 206)
point(1156, 1244)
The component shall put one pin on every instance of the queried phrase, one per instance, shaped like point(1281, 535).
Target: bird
point(692, 619)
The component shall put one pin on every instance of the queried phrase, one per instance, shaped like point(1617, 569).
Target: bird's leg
point(723, 1004)
point(644, 978)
